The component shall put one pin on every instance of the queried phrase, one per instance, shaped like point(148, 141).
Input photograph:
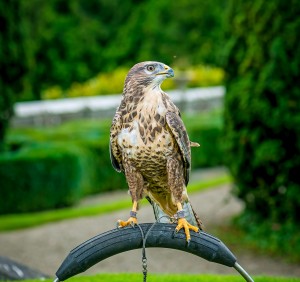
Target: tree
point(262, 109)
point(13, 61)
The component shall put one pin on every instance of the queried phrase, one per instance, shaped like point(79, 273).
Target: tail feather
point(159, 214)
point(198, 220)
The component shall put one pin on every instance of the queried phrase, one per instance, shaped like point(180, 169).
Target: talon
point(131, 221)
point(188, 242)
point(182, 223)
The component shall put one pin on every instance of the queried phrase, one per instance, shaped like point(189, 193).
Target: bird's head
point(148, 74)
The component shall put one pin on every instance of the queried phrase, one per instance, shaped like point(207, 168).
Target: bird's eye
point(150, 68)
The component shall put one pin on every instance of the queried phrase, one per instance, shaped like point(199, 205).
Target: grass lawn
point(127, 277)
point(26, 220)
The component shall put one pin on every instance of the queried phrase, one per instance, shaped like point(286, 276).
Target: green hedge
point(40, 177)
point(49, 168)
point(100, 175)
point(209, 153)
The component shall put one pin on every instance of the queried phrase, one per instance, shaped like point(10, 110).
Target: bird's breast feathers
point(147, 130)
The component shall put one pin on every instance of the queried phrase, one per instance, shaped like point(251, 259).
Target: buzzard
point(150, 145)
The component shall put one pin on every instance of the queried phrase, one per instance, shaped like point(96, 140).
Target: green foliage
point(52, 174)
point(39, 177)
point(91, 137)
point(203, 76)
point(206, 130)
point(101, 176)
point(270, 238)
point(210, 152)
point(57, 166)
point(262, 115)
point(70, 42)
point(13, 65)
point(113, 82)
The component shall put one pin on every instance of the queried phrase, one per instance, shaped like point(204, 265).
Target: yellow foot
point(131, 221)
point(182, 223)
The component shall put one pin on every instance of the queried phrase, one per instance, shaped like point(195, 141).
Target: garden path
point(45, 247)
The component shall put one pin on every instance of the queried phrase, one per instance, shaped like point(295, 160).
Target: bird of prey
point(150, 145)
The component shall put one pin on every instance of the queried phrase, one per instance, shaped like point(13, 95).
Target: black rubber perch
point(161, 235)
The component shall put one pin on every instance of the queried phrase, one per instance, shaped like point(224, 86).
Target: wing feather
point(115, 153)
point(179, 132)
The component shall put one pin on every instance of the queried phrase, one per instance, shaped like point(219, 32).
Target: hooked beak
point(168, 72)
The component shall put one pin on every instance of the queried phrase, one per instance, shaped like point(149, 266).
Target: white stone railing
point(50, 112)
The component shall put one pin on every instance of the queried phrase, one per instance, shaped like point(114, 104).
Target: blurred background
point(237, 69)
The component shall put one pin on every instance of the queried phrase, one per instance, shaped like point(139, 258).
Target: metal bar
point(243, 272)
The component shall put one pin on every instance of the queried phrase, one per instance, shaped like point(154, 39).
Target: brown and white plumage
point(149, 142)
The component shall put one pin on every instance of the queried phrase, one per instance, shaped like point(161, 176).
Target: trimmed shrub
point(113, 82)
point(100, 175)
point(49, 168)
point(40, 177)
point(209, 153)
point(206, 129)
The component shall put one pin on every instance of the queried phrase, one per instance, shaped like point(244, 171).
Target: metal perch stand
point(159, 235)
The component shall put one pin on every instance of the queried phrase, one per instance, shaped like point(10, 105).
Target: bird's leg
point(177, 187)
point(132, 220)
point(183, 223)
point(136, 184)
